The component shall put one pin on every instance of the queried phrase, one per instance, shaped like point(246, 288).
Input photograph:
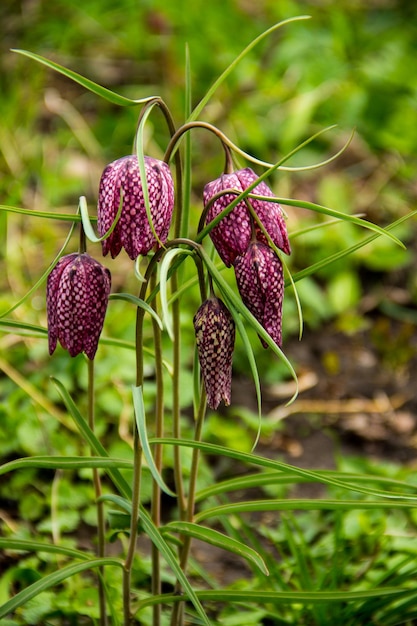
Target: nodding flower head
point(260, 280)
point(232, 235)
point(121, 182)
point(215, 338)
point(77, 294)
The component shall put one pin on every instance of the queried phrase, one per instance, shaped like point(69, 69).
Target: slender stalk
point(137, 472)
point(101, 522)
point(159, 432)
point(177, 618)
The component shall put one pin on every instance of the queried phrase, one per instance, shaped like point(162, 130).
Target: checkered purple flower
point(215, 338)
point(232, 235)
point(260, 280)
point(121, 181)
point(77, 294)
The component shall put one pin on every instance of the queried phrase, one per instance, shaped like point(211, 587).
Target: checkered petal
point(231, 236)
point(133, 232)
point(77, 294)
point(260, 280)
point(215, 338)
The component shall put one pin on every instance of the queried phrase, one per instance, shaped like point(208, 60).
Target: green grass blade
point(319, 504)
point(51, 580)
point(64, 462)
point(318, 208)
point(37, 546)
point(310, 475)
point(220, 540)
point(63, 217)
point(143, 436)
point(88, 84)
point(280, 597)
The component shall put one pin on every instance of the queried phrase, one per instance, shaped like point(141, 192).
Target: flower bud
point(77, 294)
point(260, 280)
point(121, 182)
point(232, 235)
point(215, 338)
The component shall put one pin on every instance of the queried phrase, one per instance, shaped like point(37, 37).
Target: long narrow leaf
point(37, 546)
point(281, 597)
point(143, 436)
point(51, 580)
point(220, 540)
point(63, 217)
point(64, 462)
point(301, 505)
point(315, 475)
point(88, 84)
point(261, 479)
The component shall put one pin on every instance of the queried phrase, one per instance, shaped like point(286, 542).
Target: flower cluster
point(240, 240)
point(78, 287)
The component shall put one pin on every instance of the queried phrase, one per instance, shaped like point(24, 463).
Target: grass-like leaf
point(51, 580)
point(326, 478)
point(88, 84)
point(218, 539)
point(281, 597)
point(261, 479)
point(64, 462)
point(143, 436)
point(163, 286)
point(37, 546)
point(63, 217)
point(318, 504)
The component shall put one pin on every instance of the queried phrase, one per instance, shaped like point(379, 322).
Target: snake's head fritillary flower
point(215, 338)
point(232, 235)
point(121, 182)
point(77, 294)
point(260, 280)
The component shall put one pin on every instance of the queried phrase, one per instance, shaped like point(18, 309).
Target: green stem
point(178, 611)
point(159, 431)
point(137, 472)
point(101, 523)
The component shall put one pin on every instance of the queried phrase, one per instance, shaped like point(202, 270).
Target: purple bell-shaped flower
point(121, 182)
point(215, 338)
point(260, 280)
point(77, 294)
point(232, 235)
